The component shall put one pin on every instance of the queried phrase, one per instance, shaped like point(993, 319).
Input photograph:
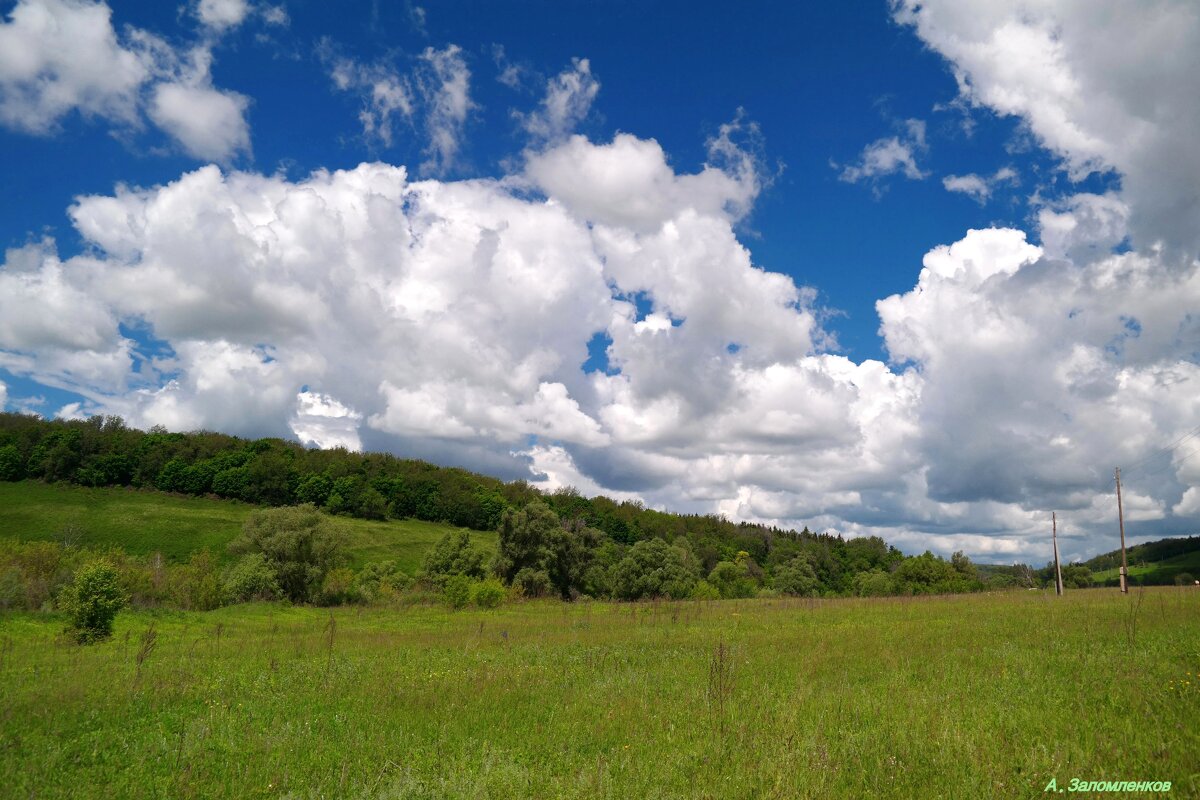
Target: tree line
point(551, 544)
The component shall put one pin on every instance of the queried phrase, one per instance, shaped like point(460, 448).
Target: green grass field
point(985, 696)
point(144, 522)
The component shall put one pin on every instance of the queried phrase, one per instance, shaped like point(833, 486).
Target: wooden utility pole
point(1121, 520)
point(1058, 587)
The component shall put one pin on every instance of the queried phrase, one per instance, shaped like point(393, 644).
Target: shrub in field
point(453, 555)
point(731, 580)
point(12, 466)
point(1184, 579)
point(652, 568)
point(797, 577)
point(251, 578)
point(873, 583)
point(196, 585)
point(338, 588)
point(1076, 576)
point(703, 590)
point(488, 594)
point(299, 543)
point(12, 588)
point(381, 580)
point(457, 590)
point(92, 601)
point(533, 582)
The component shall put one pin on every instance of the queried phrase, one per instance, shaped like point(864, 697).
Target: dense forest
point(558, 543)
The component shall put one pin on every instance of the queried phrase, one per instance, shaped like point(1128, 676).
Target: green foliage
point(797, 577)
point(525, 538)
point(380, 581)
point(532, 582)
point(299, 543)
point(653, 568)
point(198, 583)
point(703, 590)
point(339, 588)
point(928, 574)
point(873, 583)
point(92, 601)
point(251, 578)
point(12, 466)
point(453, 555)
point(1184, 579)
point(488, 594)
point(731, 580)
point(457, 591)
point(1076, 576)
point(963, 566)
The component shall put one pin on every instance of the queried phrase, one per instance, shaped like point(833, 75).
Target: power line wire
point(1163, 451)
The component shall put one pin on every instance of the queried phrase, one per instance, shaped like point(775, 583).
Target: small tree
point(251, 578)
point(525, 540)
point(797, 577)
point(457, 590)
point(488, 594)
point(92, 601)
point(652, 568)
point(453, 555)
point(299, 542)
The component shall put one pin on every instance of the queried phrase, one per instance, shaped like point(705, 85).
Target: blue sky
point(844, 143)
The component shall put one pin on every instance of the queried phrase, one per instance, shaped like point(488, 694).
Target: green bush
point(703, 590)
point(92, 601)
point(797, 577)
point(488, 594)
point(453, 555)
point(251, 578)
point(339, 588)
point(299, 543)
point(731, 580)
point(457, 591)
point(381, 581)
point(196, 585)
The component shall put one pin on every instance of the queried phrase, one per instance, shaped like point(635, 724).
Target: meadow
point(988, 695)
point(143, 522)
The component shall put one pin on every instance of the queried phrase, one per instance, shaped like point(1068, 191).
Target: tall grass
point(953, 697)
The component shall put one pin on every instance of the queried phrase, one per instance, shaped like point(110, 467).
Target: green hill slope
point(1151, 563)
point(142, 522)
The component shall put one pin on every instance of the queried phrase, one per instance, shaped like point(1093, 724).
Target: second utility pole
point(1121, 519)
point(1058, 587)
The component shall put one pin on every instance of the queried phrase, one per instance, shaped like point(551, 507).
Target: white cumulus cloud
point(568, 99)
point(889, 156)
point(64, 56)
point(979, 187)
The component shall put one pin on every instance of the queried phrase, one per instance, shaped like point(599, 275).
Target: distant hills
point(1150, 564)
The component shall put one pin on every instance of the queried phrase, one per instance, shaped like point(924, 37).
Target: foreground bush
point(251, 578)
point(299, 543)
point(457, 591)
point(92, 601)
point(488, 594)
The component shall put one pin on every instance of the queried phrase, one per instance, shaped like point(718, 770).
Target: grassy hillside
point(968, 696)
point(144, 522)
point(1155, 573)
point(1150, 563)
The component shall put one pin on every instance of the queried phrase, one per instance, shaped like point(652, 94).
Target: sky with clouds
point(922, 270)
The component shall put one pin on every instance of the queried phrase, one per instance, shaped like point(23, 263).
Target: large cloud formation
point(593, 319)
